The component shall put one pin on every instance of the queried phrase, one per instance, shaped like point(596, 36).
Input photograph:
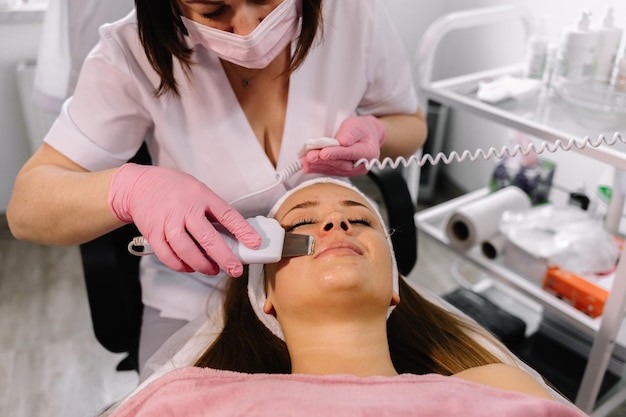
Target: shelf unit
point(548, 119)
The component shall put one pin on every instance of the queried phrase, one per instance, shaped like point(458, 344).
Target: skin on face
point(351, 267)
point(236, 16)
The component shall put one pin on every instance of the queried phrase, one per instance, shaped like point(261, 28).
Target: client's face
point(351, 267)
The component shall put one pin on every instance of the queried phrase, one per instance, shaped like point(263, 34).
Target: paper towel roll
point(478, 221)
point(494, 246)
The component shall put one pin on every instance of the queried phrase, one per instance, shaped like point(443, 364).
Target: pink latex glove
point(359, 137)
point(174, 212)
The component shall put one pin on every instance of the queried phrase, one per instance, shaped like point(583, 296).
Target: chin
point(351, 280)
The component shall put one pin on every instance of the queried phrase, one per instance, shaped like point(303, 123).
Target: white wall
point(18, 41)
point(412, 17)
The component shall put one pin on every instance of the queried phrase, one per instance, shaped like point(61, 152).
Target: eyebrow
point(315, 203)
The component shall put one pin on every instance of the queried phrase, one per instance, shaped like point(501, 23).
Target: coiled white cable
point(286, 173)
point(491, 152)
point(139, 242)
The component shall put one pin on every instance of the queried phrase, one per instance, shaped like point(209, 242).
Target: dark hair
point(162, 34)
point(423, 338)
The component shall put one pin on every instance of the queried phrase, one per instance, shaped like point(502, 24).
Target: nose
point(245, 20)
point(336, 221)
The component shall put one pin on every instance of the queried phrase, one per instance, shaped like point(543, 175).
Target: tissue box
point(529, 265)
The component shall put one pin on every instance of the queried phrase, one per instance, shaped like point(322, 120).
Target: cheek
point(282, 281)
point(382, 261)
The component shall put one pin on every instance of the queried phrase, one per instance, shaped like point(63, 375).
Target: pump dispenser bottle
point(578, 52)
point(609, 39)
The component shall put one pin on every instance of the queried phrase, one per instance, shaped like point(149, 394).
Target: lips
point(337, 247)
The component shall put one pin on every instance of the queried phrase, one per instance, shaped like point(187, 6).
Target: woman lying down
point(340, 333)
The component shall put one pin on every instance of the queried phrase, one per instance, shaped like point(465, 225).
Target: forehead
point(324, 194)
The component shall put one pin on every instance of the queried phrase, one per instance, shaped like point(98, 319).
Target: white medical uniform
point(360, 67)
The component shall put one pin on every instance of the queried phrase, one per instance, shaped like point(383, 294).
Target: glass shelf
point(546, 114)
point(432, 222)
point(22, 12)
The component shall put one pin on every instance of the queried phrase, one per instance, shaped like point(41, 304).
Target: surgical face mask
point(257, 49)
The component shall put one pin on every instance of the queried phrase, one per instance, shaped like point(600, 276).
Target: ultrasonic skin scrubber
point(276, 243)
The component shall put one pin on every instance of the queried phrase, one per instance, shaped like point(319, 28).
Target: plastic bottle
point(578, 52)
point(536, 55)
point(609, 39)
point(551, 68)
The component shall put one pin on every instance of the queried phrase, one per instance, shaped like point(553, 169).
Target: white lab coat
point(359, 68)
point(70, 31)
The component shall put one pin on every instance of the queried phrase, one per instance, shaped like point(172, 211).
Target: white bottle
point(577, 55)
point(536, 55)
point(609, 39)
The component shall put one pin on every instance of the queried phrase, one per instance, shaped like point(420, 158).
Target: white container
point(536, 56)
point(620, 78)
point(609, 39)
point(577, 54)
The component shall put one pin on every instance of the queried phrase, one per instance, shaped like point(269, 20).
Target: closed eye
point(362, 221)
point(297, 224)
point(306, 222)
point(216, 13)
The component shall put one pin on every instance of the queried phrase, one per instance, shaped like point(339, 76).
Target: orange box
point(579, 292)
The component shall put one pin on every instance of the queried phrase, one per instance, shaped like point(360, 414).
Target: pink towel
point(196, 392)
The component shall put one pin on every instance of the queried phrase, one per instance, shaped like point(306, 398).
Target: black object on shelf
point(579, 200)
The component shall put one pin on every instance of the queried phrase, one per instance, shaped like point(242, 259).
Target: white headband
point(256, 281)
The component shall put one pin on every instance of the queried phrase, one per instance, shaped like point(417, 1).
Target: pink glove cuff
point(125, 175)
point(380, 128)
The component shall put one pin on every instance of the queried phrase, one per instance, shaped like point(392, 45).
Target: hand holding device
point(276, 243)
point(174, 212)
point(359, 137)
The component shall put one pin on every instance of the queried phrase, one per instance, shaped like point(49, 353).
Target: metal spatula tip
point(297, 245)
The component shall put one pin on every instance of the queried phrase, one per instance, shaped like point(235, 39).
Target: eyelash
point(214, 14)
point(304, 222)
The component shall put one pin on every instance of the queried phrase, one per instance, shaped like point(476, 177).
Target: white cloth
point(360, 67)
point(69, 32)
